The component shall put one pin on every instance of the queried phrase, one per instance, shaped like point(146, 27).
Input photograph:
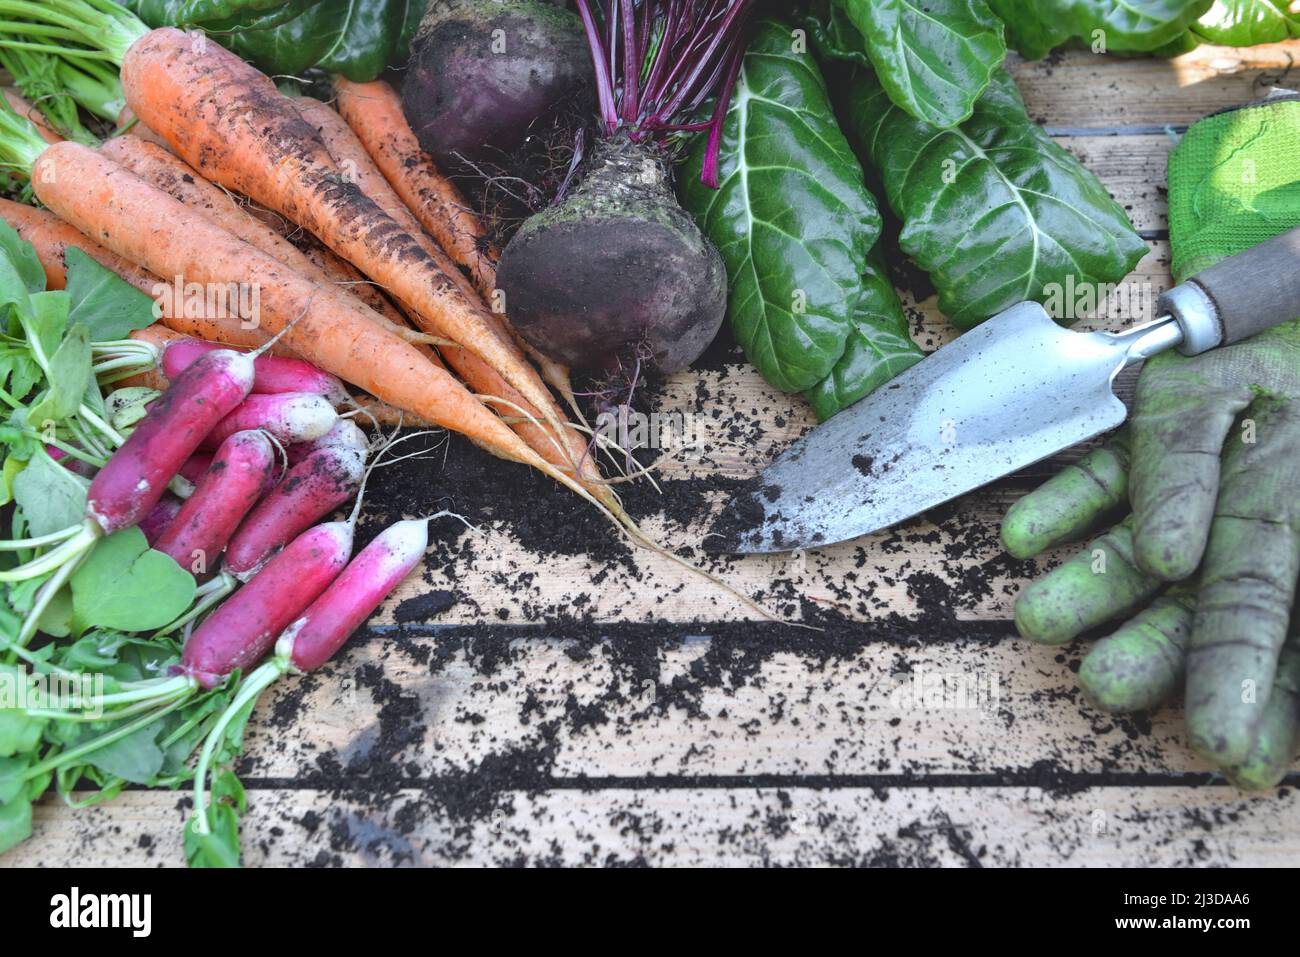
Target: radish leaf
point(994, 210)
point(51, 497)
point(109, 305)
point(19, 733)
point(135, 758)
point(934, 57)
point(791, 218)
point(15, 822)
point(68, 377)
point(124, 584)
point(22, 259)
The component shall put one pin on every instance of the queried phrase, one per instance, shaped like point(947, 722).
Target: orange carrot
point(347, 151)
point(374, 111)
point(229, 121)
point(28, 112)
point(129, 125)
point(145, 225)
point(173, 176)
point(51, 237)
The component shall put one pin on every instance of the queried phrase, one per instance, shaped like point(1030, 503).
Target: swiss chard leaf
point(110, 307)
point(126, 585)
point(1245, 23)
point(792, 218)
point(879, 347)
point(994, 210)
point(934, 57)
point(358, 38)
point(1036, 27)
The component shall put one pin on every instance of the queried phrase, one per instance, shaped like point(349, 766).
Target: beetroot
point(483, 71)
point(617, 275)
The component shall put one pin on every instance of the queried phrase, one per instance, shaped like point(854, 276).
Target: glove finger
point(1095, 586)
point(1247, 586)
point(1275, 738)
point(1179, 425)
point(1071, 504)
point(1141, 665)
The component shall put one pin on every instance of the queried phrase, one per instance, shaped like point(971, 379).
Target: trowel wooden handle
point(1241, 296)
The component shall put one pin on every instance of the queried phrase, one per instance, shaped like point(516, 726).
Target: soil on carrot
point(494, 718)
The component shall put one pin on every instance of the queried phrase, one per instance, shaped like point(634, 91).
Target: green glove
point(1212, 468)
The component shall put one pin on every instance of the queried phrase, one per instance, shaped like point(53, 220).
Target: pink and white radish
point(273, 373)
point(312, 489)
point(239, 474)
point(288, 417)
point(343, 434)
point(241, 631)
point(159, 517)
point(134, 479)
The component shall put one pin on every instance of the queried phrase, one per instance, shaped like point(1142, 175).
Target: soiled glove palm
point(1211, 465)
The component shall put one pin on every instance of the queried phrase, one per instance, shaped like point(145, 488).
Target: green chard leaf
point(1036, 27)
point(792, 218)
point(879, 347)
point(126, 585)
point(834, 37)
point(994, 210)
point(358, 38)
point(110, 306)
point(1245, 23)
point(934, 57)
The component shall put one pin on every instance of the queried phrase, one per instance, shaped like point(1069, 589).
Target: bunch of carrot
point(397, 245)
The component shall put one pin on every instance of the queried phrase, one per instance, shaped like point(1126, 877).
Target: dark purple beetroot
point(617, 271)
point(482, 72)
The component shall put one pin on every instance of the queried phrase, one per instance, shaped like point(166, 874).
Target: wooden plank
point(703, 701)
point(1078, 89)
point(921, 826)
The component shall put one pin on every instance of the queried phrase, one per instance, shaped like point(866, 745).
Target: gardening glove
point(1211, 465)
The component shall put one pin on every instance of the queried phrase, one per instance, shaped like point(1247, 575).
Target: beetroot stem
point(604, 77)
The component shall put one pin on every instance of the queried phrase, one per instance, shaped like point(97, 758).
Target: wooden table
point(673, 729)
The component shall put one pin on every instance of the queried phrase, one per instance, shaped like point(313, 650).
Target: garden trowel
point(1007, 394)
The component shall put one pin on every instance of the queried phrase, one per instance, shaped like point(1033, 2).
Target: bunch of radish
point(287, 581)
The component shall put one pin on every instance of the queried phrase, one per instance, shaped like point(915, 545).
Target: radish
point(344, 434)
point(322, 629)
point(134, 479)
point(159, 517)
point(617, 277)
point(313, 488)
point(272, 373)
point(240, 473)
point(195, 466)
point(240, 632)
point(482, 72)
point(287, 417)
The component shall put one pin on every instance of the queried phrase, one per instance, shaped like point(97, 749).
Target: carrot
point(229, 121)
point(30, 113)
point(374, 111)
point(348, 153)
point(51, 237)
point(162, 169)
point(147, 226)
point(347, 277)
point(351, 157)
point(128, 124)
